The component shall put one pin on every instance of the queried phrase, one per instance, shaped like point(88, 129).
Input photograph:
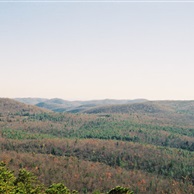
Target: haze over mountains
point(110, 106)
point(179, 113)
point(60, 105)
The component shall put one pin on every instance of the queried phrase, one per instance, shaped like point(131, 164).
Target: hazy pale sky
point(95, 50)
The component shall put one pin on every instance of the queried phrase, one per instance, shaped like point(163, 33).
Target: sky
point(96, 50)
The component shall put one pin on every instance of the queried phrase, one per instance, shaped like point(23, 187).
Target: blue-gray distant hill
point(31, 101)
point(60, 105)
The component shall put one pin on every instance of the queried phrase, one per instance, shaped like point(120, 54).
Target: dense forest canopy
point(145, 146)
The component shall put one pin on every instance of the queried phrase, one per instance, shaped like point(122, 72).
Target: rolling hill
point(147, 107)
point(60, 105)
point(10, 106)
point(146, 146)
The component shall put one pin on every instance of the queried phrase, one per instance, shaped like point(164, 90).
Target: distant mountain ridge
point(165, 108)
point(60, 105)
point(31, 101)
point(109, 106)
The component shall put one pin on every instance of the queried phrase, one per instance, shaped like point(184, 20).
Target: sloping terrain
point(145, 146)
point(184, 107)
point(90, 177)
point(10, 106)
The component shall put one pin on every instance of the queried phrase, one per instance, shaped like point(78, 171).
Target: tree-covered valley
point(145, 146)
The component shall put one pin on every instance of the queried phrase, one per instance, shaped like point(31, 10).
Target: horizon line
point(98, 99)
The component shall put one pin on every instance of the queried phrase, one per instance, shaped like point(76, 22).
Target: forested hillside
point(147, 147)
point(10, 107)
